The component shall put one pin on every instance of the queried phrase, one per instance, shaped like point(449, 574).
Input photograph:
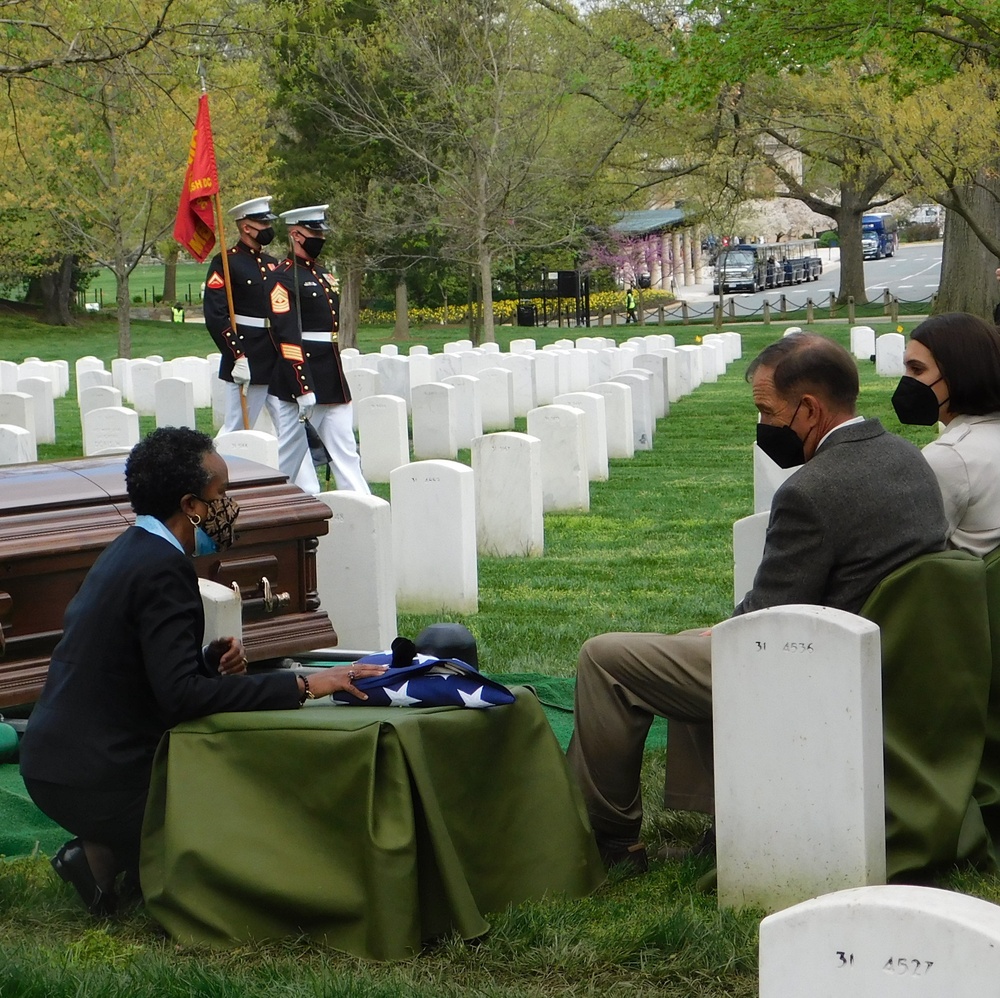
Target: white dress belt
point(317, 337)
point(251, 320)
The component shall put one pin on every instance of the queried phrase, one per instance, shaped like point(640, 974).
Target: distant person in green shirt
point(630, 315)
point(177, 312)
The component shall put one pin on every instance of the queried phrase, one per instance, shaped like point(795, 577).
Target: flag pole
point(223, 252)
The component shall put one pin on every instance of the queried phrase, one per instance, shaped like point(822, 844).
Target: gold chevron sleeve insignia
point(279, 299)
point(292, 352)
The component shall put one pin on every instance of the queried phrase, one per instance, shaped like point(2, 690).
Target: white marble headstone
point(643, 423)
point(522, 369)
point(355, 579)
point(546, 388)
point(434, 537)
point(685, 373)
point(199, 372)
point(423, 370)
point(797, 724)
point(174, 401)
point(882, 942)
point(252, 445)
point(694, 351)
point(394, 377)
point(17, 445)
point(382, 436)
point(562, 432)
point(617, 417)
point(711, 355)
point(863, 342)
point(91, 378)
point(497, 398)
point(433, 421)
point(41, 392)
point(767, 477)
point(467, 410)
point(8, 376)
point(596, 430)
point(99, 397)
point(363, 383)
point(523, 345)
point(748, 549)
point(508, 480)
point(220, 393)
point(656, 364)
point(671, 372)
point(471, 362)
point(142, 376)
point(18, 409)
point(109, 430)
point(889, 348)
point(88, 363)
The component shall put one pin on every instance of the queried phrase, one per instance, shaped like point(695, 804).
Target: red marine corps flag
point(194, 227)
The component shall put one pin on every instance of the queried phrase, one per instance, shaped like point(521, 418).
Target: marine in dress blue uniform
point(305, 310)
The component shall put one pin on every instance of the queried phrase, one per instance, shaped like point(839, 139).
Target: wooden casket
point(56, 518)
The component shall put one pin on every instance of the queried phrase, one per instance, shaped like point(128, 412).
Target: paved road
point(913, 274)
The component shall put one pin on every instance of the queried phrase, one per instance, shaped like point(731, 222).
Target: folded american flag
point(426, 682)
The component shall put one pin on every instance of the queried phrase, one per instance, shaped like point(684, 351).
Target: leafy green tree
point(462, 93)
point(923, 51)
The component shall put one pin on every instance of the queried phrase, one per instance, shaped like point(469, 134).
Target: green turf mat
point(22, 825)
point(556, 697)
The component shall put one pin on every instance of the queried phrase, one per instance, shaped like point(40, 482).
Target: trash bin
point(527, 313)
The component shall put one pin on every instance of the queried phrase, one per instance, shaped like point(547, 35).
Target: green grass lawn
point(653, 553)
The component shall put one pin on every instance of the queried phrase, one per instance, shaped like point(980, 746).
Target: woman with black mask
point(131, 665)
point(952, 365)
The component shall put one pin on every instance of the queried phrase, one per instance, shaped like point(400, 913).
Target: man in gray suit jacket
point(863, 503)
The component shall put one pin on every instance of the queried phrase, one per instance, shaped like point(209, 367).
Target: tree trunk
point(350, 304)
point(170, 274)
point(486, 282)
point(124, 312)
point(852, 261)
point(967, 266)
point(54, 292)
point(474, 326)
point(401, 328)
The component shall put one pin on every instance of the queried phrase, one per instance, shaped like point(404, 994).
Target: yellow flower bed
point(505, 311)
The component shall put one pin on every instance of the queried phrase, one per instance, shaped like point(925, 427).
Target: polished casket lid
point(57, 517)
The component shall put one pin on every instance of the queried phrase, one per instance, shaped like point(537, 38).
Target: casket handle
point(272, 599)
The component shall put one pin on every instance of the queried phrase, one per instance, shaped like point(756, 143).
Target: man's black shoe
point(629, 854)
point(71, 864)
point(705, 846)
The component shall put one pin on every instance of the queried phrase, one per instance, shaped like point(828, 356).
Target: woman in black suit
point(131, 665)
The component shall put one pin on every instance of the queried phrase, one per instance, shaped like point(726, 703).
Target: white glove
point(241, 371)
point(306, 405)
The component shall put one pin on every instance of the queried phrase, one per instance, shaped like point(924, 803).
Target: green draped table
point(371, 829)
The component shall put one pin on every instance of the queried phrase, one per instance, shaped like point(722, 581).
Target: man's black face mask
point(781, 443)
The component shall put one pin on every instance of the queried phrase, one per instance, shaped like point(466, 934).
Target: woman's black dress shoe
point(71, 864)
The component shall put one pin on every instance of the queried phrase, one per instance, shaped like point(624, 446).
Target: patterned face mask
point(219, 521)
